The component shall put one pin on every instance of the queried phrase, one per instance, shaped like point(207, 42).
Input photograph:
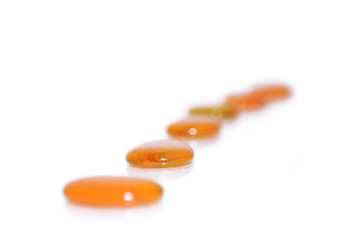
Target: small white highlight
point(163, 161)
point(128, 196)
point(193, 131)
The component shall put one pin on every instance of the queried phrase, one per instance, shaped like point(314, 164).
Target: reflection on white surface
point(160, 174)
point(105, 212)
point(195, 144)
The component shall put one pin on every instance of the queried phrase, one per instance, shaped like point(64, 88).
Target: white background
point(83, 82)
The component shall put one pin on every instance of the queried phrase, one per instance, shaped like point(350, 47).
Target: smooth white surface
point(82, 82)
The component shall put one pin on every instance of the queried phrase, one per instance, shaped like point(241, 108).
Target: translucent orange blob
point(273, 92)
point(160, 154)
point(246, 102)
point(194, 128)
point(113, 191)
point(215, 112)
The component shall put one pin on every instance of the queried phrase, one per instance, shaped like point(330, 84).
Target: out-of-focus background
point(83, 82)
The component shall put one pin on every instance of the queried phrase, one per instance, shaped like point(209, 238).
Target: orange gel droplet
point(215, 112)
point(273, 92)
point(160, 154)
point(113, 191)
point(194, 128)
point(246, 102)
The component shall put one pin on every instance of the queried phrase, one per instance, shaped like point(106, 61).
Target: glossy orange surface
point(215, 112)
point(273, 92)
point(113, 191)
point(246, 102)
point(194, 128)
point(160, 154)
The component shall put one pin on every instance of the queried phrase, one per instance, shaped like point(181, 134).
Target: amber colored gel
point(194, 128)
point(160, 154)
point(215, 112)
point(273, 92)
point(113, 191)
point(246, 102)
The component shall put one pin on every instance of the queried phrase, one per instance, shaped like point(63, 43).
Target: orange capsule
point(194, 128)
point(160, 154)
point(273, 92)
point(113, 191)
point(246, 102)
point(215, 112)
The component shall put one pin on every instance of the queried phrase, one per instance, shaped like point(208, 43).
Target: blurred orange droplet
point(113, 191)
point(160, 154)
point(215, 112)
point(273, 92)
point(194, 128)
point(246, 102)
